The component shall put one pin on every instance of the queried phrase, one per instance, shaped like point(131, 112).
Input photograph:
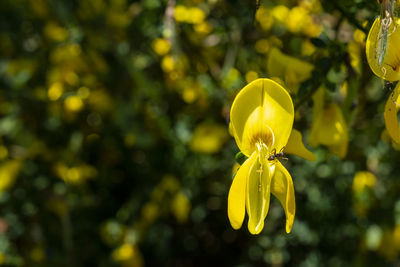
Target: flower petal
point(390, 67)
point(290, 69)
point(329, 127)
point(390, 114)
point(261, 101)
point(282, 188)
point(237, 193)
point(296, 146)
point(258, 194)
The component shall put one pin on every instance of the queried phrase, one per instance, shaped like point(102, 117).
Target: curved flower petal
point(290, 69)
point(296, 146)
point(282, 188)
point(390, 114)
point(389, 69)
point(258, 194)
point(237, 193)
point(263, 100)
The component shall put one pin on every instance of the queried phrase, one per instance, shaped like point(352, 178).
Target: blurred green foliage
point(114, 143)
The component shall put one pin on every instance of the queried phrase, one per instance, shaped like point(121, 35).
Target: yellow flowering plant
point(262, 117)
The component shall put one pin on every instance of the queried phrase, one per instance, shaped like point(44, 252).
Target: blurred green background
point(114, 143)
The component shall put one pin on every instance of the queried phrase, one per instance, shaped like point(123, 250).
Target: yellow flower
point(262, 116)
point(383, 50)
point(390, 114)
point(180, 207)
point(161, 46)
point(208, 138)
point(363, 179)
point(263, 16)
point(290, 69)
point(9, 171)
point(300, 20)
point(329, 127)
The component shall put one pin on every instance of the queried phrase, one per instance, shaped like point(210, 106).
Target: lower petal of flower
point(258, 194)
point(282, 188)
point(237, 193)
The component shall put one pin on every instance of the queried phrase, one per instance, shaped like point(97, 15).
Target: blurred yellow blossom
point(307, 48)
point(264, 17)
point(280, 13)
point(150, 212)
point(55, 32)
point(251, 76)
point(363, 179)
point(355, 50)
point(290, 69)
point(161, 46)
point(76, 174)
point(192, 15)
point(71, 78)
point(128, 255)
point(100, 100)
point(83, 92)
point(189, 94)
point(73, 103)
point(168, 63)
point(9, 171)
point(55, 91)
point(208, 138)
point(195, 15)
point(330, 129)
point(299, 20)
point(203, 27)
point(180, 207)
point(359, 36)
point(262, 46)
point(180, 13)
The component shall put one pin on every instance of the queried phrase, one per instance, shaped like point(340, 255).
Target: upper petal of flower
point(375, 48)
point(237, 193)
point(282, 188)
point(390, 114)
point(262, 109)
point(296, 146)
